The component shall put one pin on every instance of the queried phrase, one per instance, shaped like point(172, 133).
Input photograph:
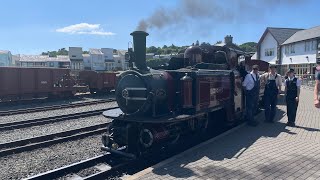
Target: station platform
point(268, 151)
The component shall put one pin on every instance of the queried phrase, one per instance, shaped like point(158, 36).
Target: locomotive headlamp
point(115, 146)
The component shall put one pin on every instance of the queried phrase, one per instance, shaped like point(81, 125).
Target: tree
point(249, 46)
point(152, 49)
point(218, 42)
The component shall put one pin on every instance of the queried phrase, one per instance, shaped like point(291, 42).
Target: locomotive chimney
point(139, 45)
point(228, 39)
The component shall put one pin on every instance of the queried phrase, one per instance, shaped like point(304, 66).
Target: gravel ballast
point(34, 162)
point(42, 114)
point(18, 134)
point(78, 99)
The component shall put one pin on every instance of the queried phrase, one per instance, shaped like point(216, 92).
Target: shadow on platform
point(230, 146)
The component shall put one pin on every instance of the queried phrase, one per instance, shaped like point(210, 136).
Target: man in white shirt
point(292, 96)
point(272, 90)
point(251, 84)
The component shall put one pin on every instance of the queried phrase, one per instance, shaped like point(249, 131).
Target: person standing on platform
point(251, 84)
point(317, 86)
point(292, 92)
point(272, 90)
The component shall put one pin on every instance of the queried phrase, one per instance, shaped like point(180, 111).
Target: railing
point(307, 80)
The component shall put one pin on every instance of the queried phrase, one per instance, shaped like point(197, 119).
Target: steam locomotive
point(158, 107)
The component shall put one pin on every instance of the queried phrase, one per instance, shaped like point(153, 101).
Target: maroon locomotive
point(18, 83)
point(157, 107)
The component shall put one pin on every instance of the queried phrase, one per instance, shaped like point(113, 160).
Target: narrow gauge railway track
point(107, 168)
point(46, 120)
point(29, 144)
point(53, 107)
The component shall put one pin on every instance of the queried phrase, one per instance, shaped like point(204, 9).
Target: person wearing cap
point(317, 86)
point(292, 92)
point(272, 90)
point(251, 84)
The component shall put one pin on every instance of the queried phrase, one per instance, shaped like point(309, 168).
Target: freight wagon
point(98, 82)
point(18, 83)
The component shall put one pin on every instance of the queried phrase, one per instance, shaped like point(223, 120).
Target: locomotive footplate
point(112, 113)
point(119, 115)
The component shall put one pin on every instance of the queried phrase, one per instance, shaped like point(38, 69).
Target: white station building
point(290, 48)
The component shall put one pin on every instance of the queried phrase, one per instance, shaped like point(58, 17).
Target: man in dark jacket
point(317, 86)
point(292, 92)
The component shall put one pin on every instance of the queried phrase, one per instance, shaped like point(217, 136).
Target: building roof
point(279, 34)
point(4, 52)
point(122, 52)
point(42, 58)
point(95, 51)
point(304, 35)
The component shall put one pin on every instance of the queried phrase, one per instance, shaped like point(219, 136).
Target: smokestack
point(139, 45)
point(228, 39)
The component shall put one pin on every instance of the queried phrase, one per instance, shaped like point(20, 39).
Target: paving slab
point(268, 151)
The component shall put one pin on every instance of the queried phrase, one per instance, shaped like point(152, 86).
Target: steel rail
point(49, 142)
point(23, 142)
point(75, 167)
point(46, 120)
point(53, 107)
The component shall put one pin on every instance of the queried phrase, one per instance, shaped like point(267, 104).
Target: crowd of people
point(272, 91)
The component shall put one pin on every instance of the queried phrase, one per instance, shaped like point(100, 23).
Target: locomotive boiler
point(158, 107)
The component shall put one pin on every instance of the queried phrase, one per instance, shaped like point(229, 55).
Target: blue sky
point(34, 26)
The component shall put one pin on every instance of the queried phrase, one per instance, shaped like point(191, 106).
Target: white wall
point(87, 62)
point(98, 62)
point(107, 53)
point(299, 57)
point(268, 43)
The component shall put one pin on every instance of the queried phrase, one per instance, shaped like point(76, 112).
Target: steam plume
point(227, 11)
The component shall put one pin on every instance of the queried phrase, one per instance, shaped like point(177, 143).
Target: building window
point(51, 64)
point(292, 48)
point(269, 52)
point(74, 56)
point(286, 48)
point(313, 45)
point(307, 46)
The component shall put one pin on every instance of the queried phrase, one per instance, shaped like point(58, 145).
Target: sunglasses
point(255, 69)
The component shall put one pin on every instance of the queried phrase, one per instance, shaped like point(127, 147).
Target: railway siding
point(45, 114)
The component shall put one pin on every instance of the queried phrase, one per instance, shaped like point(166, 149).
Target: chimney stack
point(228, 39)
point(139, 46)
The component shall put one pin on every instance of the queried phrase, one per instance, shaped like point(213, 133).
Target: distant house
point(43, 61)
point(110, 63)
point(76, 58)
point(97, 60)
point(119, 58)
point(268, 47)
point(5, 58)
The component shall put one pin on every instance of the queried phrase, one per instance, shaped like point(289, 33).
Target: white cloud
point(85, 28)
